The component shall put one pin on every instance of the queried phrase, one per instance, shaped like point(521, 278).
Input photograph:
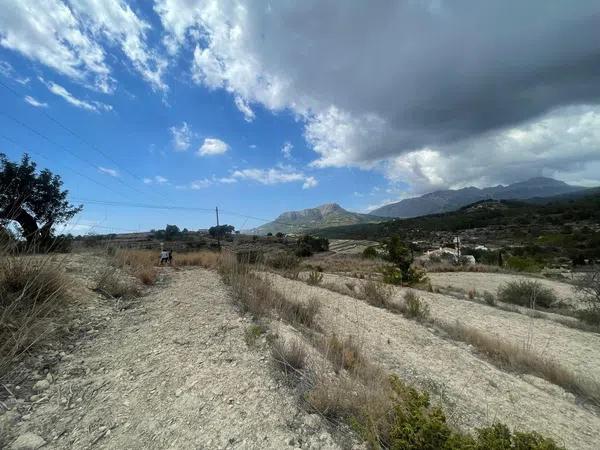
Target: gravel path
point(475, 392)
point(174, 372)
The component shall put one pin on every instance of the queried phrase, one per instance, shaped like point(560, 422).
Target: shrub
point(527, 293)
point(252, 333)
point(375, 293)
point(370, 252)
point(589, 287)
point(414, 307)
point(282, 260)
point(395, 276)
point(290, 357)
point(314, 278)
point(489, 298)
point(522, 264)
point(300, 313)
point(303, 251)
point(314, 244)
point(472, 293)
point(249, 256)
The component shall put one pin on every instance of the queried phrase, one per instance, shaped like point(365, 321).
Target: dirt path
point(475, 392)
point(174, 372)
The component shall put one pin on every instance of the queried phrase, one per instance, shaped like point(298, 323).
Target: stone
point(41, 385)
point(27, 441)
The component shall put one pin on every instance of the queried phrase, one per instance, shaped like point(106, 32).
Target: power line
point(65, 166)
point(78, 136)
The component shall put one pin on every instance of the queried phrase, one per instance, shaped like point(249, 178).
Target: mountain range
point(327, 215)
point(450, 199)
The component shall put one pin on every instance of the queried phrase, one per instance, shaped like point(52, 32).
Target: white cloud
point(430, 98)
point(108, 171)
point(6, 69)
point(275, 176)
point(244, 108)
point(562, 144)
point(33, 102)
point(200, 184)
point(182, 136)
point(59, 90)
point(70, 37)
point(286, 150)
point(309, 182)
point(158, 179)
point(116, 21)
point(212, 146)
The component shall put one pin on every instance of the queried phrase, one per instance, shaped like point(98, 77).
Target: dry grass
point(33, 298)
point(342, 353)
point(258, 296)
point(121, 287)
point(341, 263)
point(289, 356)
point(523, 359)
point(449, 267)
point(414, 307)
point(314, 278)
point(205, 259)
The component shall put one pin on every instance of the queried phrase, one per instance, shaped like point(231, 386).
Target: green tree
point(35, 200)
point(221, 230)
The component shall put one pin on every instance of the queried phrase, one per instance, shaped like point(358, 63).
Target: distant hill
point(451, 200)
point(328, 215)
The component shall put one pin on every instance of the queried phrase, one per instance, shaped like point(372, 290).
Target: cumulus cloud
point(419, 84)
point(33, 102)
point(275, 176)
point(286, 150)
point(182, 136)
point(70, 37)
point(563, 144)
point(212, 146)
point(61, 91)
point(107, 171)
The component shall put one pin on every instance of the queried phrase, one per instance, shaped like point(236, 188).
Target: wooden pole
point(218, 231)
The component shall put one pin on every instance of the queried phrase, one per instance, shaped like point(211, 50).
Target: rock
point(178, 393)
point(50, 378)
point(28, 441)
point(41, 385)
point(312, 421)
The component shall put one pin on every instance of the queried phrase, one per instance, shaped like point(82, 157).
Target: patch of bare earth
point(474, 392)
point(172, 372)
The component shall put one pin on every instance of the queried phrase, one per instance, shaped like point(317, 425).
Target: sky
point(261, 107)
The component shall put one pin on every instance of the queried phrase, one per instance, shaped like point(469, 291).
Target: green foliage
point(416, 425)
point(279, 235)
point(303, 251)
point(221, 231)
point(313, 244)
point(35, 200)
point(370, 252)
point(522, 264)
point(395, 276)
point(415, 308)
point(314, 278)
point(252, 333)
point(489, 298)
point(527, 293)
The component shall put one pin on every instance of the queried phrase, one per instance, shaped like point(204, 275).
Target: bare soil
point(173, 371)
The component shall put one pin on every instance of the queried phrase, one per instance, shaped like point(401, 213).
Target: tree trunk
point(26, 220)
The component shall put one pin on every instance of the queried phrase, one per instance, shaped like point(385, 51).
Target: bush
point(314, 278)
point(375, 293)
point(252, 333)
point(489, 298)
point(369, 252)
point(527, 293)
point(395, 276)
point(314, 244)
point(522, 264)
point(248, 256)
point(282, 260)
point(303, 251)
point(414, 307)
point(111, 284)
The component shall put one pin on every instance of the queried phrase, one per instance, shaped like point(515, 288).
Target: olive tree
point(33, 199)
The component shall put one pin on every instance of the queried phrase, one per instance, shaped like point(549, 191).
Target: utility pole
point(218, 230)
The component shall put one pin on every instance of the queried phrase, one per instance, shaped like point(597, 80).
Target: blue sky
point(260, 108)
